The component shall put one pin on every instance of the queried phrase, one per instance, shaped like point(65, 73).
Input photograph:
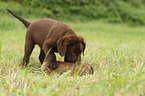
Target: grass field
point(116, 51)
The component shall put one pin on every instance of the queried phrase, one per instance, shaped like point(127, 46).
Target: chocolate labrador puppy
point(54, 35)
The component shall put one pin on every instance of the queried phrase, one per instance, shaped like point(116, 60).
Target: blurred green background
point(115, 11)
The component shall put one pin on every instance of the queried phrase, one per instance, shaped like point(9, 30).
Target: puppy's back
point(39, 29)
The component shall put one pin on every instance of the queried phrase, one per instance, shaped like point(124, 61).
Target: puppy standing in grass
point(48, 33)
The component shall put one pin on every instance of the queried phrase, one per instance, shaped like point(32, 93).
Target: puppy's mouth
point(71, 61)
point(75, 62)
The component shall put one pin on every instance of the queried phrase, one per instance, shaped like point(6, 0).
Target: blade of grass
point(45, 60)
point(137, 76)
point(0, 48)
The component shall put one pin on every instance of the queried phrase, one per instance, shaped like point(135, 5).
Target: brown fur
point(49, 33)
point(65, 66)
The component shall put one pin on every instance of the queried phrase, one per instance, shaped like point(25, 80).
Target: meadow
point(116, 51)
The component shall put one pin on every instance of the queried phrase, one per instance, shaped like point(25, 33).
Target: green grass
point(116, 51)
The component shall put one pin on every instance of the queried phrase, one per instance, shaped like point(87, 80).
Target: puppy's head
point(71, 46)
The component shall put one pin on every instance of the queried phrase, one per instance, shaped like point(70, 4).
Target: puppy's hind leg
point(41, 56)
point(29, 46)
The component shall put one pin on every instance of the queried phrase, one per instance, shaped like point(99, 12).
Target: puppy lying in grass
point(80, 69)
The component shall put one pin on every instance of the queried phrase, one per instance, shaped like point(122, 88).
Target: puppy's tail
point(26, 23)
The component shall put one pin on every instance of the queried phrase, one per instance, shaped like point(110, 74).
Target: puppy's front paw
point(53, 65)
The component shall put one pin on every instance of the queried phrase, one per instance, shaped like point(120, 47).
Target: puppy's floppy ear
point(62, 45)
point(84, 45)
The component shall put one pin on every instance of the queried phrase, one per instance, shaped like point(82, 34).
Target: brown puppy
point(82, 69)
point(54, 35)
